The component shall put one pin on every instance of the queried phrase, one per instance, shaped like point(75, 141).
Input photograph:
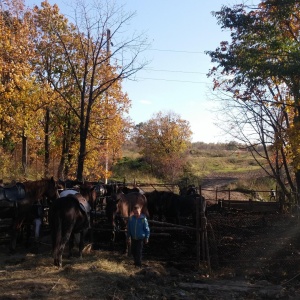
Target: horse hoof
point(57, 263)
point(11, 252)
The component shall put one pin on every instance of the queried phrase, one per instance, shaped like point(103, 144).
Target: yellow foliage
point(164, 136)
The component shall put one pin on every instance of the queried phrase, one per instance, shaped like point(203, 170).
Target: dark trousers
point(136, 250)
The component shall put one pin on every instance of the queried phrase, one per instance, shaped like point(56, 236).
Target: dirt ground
point(251, 256)
point(264, 271)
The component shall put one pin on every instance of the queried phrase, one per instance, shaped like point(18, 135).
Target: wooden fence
point(255, 201)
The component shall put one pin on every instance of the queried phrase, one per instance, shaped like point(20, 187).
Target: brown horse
point(119, 209)
point(17, 202)
point(70, 215)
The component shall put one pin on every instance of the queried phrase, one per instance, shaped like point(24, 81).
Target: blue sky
point(175, 80)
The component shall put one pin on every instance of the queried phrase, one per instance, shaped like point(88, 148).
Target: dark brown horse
point(16, 202)
point(174, 208)
point(157, 202)
point(70, 215)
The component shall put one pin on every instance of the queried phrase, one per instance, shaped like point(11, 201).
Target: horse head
point(52, 190)
point(110, 208)
point(189, 190)
point(101, 190)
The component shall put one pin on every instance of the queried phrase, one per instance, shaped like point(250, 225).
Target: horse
point(156, 203)
point(119, 209)
point(173, 207)
point(188, 206)
point(16, 202)
point(126, 190)
point(70, 215)
point(189, 190)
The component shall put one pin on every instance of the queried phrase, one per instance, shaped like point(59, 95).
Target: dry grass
point(112, 276)
point(99, 275)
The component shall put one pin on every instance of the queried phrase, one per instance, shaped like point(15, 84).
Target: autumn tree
point(259, 71)
point(163, 141)
point(89, 81)
point(61, 123)
point(18, 101)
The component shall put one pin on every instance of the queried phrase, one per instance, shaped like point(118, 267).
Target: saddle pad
point(13, 193)
point(67, 192)
point(85, 206)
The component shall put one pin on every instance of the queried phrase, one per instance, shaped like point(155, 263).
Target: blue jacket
point(138, 229)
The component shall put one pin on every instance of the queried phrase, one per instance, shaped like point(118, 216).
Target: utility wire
point(177, 51)
point(174, 71)
point(161, 79)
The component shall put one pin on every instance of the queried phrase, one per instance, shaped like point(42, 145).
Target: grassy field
point(204, 160)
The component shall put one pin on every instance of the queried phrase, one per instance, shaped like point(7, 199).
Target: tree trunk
point(84, 127)
point(46, 145)
point(81, 158)
point(297, 175)
point(24, 154)
point(65, 160)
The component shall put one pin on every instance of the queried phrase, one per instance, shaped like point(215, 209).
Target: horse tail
point(56, 229)
point(145, 210)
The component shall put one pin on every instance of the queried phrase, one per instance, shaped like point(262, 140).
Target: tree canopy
point(60, 84)
point(163, 141)
point(259, 73)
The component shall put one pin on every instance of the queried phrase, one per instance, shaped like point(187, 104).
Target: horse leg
point(129, 242)
point(60, 250)
point(60, 237)
point(56, 248)
point(81, 243)
point(71, 244)
point(127, 246)
point(16, 228)
point(113, 237)
point(13, 242)
point(37, 228)
point(27, 228)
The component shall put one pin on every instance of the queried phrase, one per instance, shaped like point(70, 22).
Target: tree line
point(62, 108)
point(61, 97)
point(60, 85)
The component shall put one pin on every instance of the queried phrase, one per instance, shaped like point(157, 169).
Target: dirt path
point(221, 183)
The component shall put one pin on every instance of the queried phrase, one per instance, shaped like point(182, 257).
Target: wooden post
point(205, 245)
point(197, 233)
point(203, 221)
point(205, 239)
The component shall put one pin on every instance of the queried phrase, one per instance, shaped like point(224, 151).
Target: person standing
point(138, 233)
point(38, 214)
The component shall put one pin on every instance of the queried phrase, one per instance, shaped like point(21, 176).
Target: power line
point(179, 51)
point(174, 71)
point(161, 79)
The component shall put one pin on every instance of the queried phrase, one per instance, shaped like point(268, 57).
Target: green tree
point(259, 70)
point(163, 141)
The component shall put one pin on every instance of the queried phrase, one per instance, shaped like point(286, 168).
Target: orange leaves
point(16, 81)
point(163, 141)
point(164, 136)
